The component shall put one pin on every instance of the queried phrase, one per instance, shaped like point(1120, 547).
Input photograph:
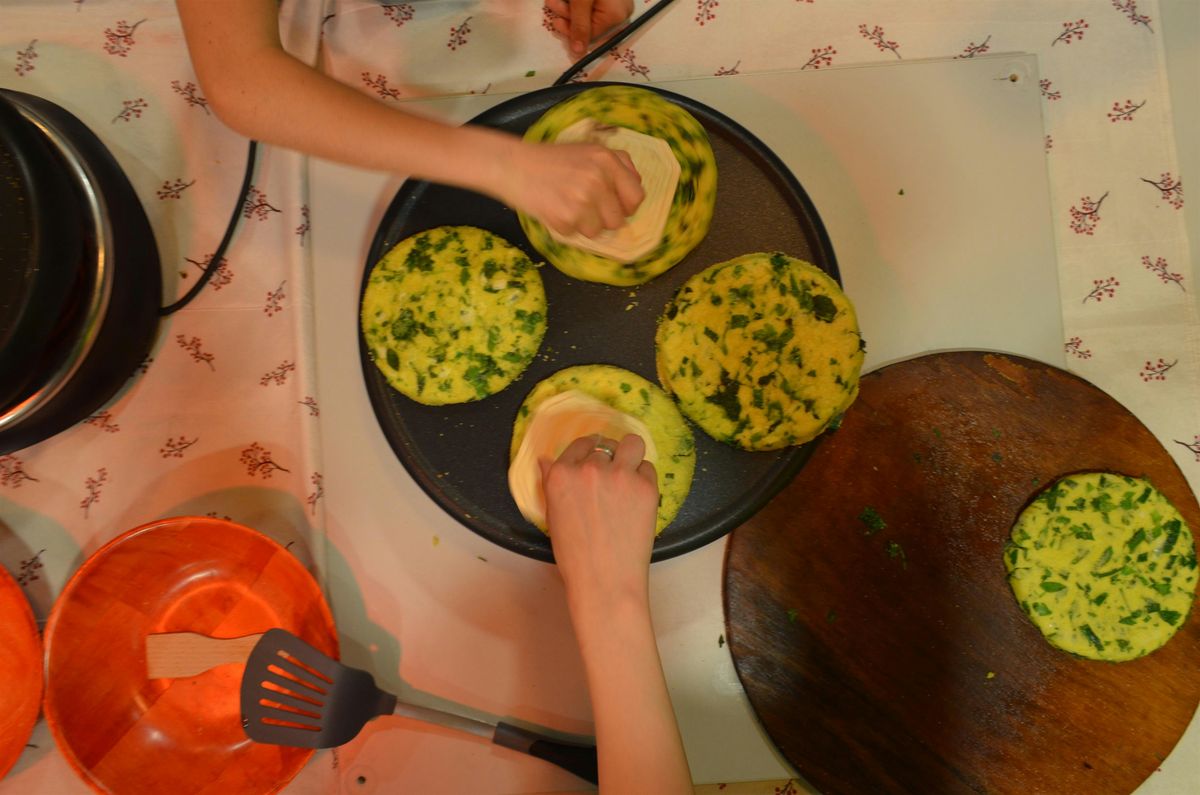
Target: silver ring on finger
point(603, 447)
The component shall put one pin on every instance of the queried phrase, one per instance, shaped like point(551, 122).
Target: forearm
point(637, 737)
point(262, 92)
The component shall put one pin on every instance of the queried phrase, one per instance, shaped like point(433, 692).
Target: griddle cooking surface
point(459, 453)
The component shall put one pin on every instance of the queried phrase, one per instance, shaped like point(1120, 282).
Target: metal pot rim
point(101, 293)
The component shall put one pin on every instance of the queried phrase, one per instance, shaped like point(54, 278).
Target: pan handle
point(577, 759)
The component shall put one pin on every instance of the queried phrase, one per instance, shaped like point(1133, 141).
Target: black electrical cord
point(219, 254)
point(616, 39)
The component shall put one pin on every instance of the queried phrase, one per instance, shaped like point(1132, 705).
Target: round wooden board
point(869, 663)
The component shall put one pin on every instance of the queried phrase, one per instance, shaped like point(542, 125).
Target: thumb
point(581, 25)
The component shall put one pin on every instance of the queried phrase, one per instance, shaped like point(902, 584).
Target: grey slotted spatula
point(293, 694)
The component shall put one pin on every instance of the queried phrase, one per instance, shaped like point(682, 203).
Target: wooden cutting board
point(900, 661)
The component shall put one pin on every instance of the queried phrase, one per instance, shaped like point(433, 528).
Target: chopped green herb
point(1092, 637)
point(721, 641)
point(726, 397)
point(792, 614)
point(831, 616)
point(871, 518)
point(1050, 586)
point(894, 551)
point(824, 309)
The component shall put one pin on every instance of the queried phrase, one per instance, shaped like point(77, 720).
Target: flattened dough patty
point(453, 314)
point(762, 351)
point(1103, 565)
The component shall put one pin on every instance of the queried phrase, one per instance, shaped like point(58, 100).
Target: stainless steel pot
point(83, 327)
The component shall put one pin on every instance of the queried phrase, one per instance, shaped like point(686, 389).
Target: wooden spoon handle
point(185, 654)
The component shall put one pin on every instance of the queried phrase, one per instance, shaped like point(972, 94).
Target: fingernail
point(577, 47)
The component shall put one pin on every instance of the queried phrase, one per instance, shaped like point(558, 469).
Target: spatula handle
point(577, 759)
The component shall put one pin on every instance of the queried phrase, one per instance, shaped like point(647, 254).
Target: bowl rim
point(11, 589)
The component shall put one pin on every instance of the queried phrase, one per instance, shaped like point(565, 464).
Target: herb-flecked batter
point(453, 314)
point(762, 351)
point(1103, 565)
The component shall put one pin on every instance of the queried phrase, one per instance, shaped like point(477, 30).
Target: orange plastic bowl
point(124, 733)
point(20, 672)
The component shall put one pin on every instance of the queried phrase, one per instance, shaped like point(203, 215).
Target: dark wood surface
point(870, 669)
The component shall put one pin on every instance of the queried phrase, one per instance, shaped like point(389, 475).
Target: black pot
point(80, 280)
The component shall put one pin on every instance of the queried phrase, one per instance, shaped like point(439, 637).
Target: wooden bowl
point(20, 671)
point(124, 733)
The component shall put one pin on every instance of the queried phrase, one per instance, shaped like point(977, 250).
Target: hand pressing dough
point(659, 171)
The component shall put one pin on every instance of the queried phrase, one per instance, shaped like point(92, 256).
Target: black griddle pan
point(459, 453)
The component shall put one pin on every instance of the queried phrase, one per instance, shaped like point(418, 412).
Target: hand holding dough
point(659, 170)
point(557, 422)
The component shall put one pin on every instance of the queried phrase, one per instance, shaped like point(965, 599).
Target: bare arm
point(264, 93)
point(601, 515)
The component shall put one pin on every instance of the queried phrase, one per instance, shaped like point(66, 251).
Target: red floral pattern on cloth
point(172, 441)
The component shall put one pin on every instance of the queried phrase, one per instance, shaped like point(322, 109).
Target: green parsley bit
point(871, 518)
point(792, 613)
point(894, 550)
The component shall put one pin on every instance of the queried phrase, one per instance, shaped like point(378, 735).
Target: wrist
point(491, 167)
point(601, 615)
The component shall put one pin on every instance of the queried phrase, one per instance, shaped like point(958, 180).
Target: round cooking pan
point(89, 304)
point(459, 453)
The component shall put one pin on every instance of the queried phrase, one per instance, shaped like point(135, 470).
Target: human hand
point(582, 188)
point(580, 21)
point(601, 514)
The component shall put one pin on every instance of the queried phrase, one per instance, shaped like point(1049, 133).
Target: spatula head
point(294, 695)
